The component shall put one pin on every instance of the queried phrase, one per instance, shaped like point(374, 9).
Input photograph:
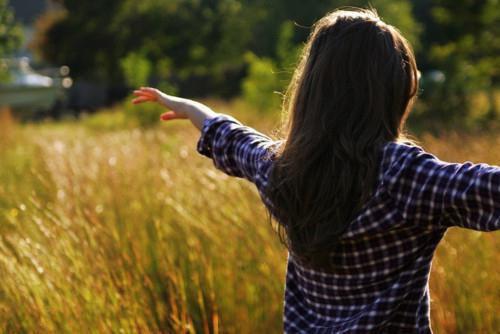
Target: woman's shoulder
point(400, 152)
point(406, 157)
point(406, 161)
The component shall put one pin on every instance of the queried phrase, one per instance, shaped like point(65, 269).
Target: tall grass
point(129, 230)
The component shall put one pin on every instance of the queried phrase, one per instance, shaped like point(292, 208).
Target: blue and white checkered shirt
point(385, 255)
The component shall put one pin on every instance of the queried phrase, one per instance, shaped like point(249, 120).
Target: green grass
point(105, 227)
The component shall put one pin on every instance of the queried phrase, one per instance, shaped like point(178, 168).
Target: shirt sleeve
point(447, 194)
point(235, 149)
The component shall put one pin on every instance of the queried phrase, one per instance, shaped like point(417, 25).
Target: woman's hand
point(179, 107)
point(147, 94)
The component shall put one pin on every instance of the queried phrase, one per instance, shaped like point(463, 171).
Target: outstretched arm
point(180, 108)
point(447, 194)
point(235, 149)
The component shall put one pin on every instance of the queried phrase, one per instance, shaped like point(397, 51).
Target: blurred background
point(110, 221)
point(230, 48)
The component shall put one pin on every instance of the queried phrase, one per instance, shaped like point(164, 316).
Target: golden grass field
point(118, 229)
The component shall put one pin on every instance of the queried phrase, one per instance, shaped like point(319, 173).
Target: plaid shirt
point(386, 252)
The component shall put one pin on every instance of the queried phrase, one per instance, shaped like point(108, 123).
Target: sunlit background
point(111, 222)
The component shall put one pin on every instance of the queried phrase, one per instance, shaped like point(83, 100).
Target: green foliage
point(10, 31)
point(201, 38)
point(163, 73)
point(10, 37)
point(261, 86)
point(136, 68)
point(4, 73)
point(267, 79)
point(194, 35)
point(287, 52)
point(266, 76)
point(466, 50)
point(198, 47)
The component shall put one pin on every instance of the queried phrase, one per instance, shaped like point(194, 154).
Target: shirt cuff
point(209, 130)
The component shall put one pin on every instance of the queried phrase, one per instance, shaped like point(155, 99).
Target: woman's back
point(381, 264)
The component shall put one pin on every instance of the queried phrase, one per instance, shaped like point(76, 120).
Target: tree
point(202, 43)
point(10, 36)
point(463, 41)
point(286, 26)
point(10, 31)
point(196, 38)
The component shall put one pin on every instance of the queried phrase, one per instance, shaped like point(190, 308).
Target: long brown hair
point(350, 94)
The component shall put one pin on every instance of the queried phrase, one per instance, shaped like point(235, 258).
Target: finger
point(141, 99)
point(145, 97)
point(145, 90)
point(169, 115)
point(143, 93)
point(150, 90)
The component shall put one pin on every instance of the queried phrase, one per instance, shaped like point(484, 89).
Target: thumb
point(171, 115)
